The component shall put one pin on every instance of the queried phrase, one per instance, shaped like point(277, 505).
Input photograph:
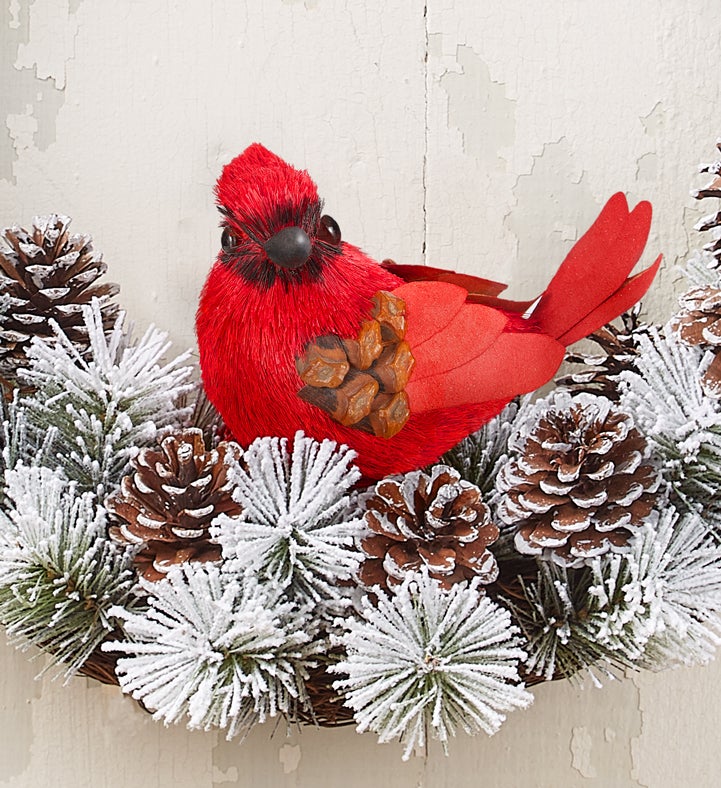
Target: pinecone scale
point(698, 323)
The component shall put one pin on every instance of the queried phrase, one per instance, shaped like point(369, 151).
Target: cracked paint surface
point(479, 108)
point(30, 100)
point(479, 136)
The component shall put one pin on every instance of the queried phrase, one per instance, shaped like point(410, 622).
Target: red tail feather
point(591, 286)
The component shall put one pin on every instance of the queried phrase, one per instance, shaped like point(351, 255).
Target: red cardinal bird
point(298, 329)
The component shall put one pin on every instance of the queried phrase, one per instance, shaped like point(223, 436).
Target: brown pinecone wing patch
point(360, 382)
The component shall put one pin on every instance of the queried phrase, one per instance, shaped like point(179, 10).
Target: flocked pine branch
point(551, 611)
point(218, 649)
point(479, 457)
point(624, 598)
point(19, 443)
point(687, 564)
point(425, 660)
point(682, 423)
point(59, 574)
point(299, 522)
point(656, 605)
point(107, 405)
point(701, 269)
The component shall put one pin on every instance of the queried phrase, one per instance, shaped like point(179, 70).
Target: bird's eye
point(328, 231)
point(229, 241)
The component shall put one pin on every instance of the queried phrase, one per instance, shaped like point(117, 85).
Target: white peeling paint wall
point(479, 135)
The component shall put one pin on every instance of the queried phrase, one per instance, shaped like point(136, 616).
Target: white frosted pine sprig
point(299, 521)
point(104, 406)
point(18, 441)
point(701, 269)
point(425, 661)
point(655, 606)
point(218, 649)
point(687, 564)
point(59, 574)
point(681, 422)
point(625, 595)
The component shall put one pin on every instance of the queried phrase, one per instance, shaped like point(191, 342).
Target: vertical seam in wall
point(425, 134)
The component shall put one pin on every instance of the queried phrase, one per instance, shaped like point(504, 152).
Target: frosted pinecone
point(600, 372)
point(168, 502)
point(712, 222)
point(698, 324)
point(47, 273)
point(435, 520)
point(580, 482)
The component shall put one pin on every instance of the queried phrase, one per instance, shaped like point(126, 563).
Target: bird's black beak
point(289, 248)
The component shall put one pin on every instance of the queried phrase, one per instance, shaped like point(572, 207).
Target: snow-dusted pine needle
point(682, 423)
point(428, 661)
point(59, 574)
point(625, 595)
point(105, 406)
point(701, 268)
point(19, 441)
point(479, 457)
point(551, 612)
point(217, 649)
point(299, 522)
point(657, 605)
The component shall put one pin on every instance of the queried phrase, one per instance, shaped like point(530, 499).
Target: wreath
point(575, 535)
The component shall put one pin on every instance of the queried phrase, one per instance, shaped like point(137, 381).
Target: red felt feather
point(470, 332)
point(513, 364)
point(433, 306)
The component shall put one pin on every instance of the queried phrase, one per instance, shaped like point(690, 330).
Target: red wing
point(443, 331)
point(471, 357)
point(513, 364)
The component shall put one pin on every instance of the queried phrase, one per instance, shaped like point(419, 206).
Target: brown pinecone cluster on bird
point(170, 499)
point(618, 346)
point(361, 382)
point(47, 273)
point(434, 520)
point(698, 323)
point(712, 222)
point(580, 482)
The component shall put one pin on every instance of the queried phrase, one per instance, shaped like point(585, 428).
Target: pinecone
point(580, 483)
point(169, 501)
point(437, 520)
point(618, 346)
point(47, 273)
point(712, 221)
point(699, 324)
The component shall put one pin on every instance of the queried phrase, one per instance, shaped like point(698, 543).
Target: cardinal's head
point(273, 224)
